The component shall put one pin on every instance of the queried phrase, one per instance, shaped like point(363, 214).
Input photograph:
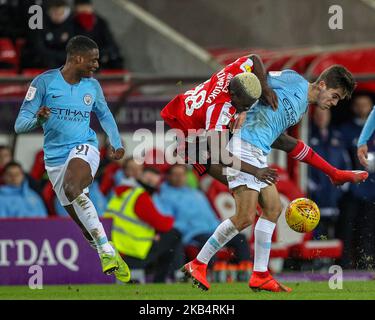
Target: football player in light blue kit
point(252, 143)
point(366, 133)
point(61, 102)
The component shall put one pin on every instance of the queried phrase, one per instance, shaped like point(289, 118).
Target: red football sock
point(261, 274)
point(198, 262)
point(304, 153)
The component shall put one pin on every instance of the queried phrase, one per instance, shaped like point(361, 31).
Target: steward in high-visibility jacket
point(136, 221)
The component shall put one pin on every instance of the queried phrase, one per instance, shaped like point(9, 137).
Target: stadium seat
point(224, 254)
point(277, 63)
point(32, 72)
point(7, 73)
point(300, 63)
point(226, 56)
point(113, 72)
point(317, 249)
point(8, 54)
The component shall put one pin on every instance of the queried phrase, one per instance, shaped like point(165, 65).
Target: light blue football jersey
point(263, 125)
point(69, 122)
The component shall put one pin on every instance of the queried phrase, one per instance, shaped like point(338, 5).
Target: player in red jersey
point(218, 103)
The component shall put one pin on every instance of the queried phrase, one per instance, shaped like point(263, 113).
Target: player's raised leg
point(246, 202)
point(298, 150)
point(261, 279)
point(77, 177)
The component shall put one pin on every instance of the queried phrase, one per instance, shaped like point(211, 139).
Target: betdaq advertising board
point(53, 247)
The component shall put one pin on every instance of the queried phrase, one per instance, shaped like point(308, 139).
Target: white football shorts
point(86, 152)
point(250, 154)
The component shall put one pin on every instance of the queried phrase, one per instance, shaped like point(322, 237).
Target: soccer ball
point(302, 215)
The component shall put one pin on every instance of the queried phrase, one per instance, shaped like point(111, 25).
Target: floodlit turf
point(184, 291)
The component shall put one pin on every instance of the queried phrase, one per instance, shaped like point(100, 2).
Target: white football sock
point(223, 233)
point(263, 237)
point(88, 215)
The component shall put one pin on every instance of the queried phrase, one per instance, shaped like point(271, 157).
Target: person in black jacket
point(45, 48)
point(88, 23)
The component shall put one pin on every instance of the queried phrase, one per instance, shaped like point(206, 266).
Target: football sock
point(304, 153)
point(263, 236)
point(223, 233)
point(88, 215)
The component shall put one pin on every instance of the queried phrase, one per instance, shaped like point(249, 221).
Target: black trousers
point(165, 256)
point(356, 228)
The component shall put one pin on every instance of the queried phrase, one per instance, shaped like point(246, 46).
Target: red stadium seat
point(8, 53)
point(7, 73)
point(277, 63)
point(226, 56)
point(312, 249)
point(300, 63)
point(114, 89)
point(32, 72)
point(224, 254)
point(113, 71)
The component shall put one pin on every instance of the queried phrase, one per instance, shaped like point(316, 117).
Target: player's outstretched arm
point(365, 135)
point(268, 96)
point(108, 124)
point(217, 141)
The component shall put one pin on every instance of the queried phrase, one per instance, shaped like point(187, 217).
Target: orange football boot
point(197, 271)
point(354, 176)
point(264, 281)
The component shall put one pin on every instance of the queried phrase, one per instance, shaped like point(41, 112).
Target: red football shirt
point(207, 106)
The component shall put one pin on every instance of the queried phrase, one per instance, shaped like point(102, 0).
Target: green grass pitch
point(359, 290)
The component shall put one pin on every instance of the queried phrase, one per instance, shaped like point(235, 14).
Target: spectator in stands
point(88, 23)
point(5, 158)
point(17, 199)
point(361, 107)
point(46, 48)
point(114, 176)
point(357, 219)
point(326, 141)
point(194, 216)
point(145, 237)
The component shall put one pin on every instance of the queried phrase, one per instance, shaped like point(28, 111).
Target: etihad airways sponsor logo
point(70, 114)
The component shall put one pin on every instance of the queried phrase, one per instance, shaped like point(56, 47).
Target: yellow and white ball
point(302, 215)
